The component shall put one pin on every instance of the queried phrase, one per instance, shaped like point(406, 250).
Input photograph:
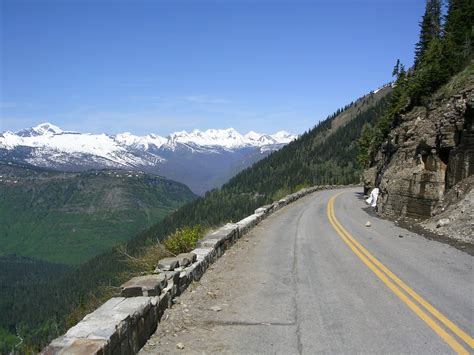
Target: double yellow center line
point(414, 301)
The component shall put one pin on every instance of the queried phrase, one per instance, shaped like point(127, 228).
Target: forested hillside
point(70, 217)
point(22, 273)
point(324, 155)
point(50, 221)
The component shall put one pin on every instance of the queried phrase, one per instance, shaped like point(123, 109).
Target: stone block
point(184, 281)
point(87, 346)
point(248, 222)
point(171, 288)
point(134, 306)
point(112, 322)
point(203, 253)
point(195, 271)
point(215, 239)
point(170, 275)
point(78, 347)
point(262, 210)
point(148, 285)
point(163, 303)
point(58, 345)
point(125, 347)
point(186, 259)
point(168, 264)
point(96, 328)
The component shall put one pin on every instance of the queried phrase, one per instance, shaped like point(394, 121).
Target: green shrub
point(280, 193)
point(301, 186)
point(184, 239)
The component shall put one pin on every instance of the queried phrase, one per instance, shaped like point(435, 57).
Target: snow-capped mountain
point(42, 129)
point(200, 159)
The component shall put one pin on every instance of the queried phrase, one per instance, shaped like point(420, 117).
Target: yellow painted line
point(456, 346)
point(443, 319)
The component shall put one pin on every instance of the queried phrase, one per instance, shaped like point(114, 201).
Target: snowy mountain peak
point(283, 137)
point(227, 138)
point(253, 136)
point(188, 157)
point(122, 148)
point(40, 130)
point(128, 139)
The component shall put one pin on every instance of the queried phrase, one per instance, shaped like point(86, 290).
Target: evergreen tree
point(396, 68)
point(430, 28)
point(459, 33)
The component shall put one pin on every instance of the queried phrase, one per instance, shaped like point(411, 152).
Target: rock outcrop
point(430, 150)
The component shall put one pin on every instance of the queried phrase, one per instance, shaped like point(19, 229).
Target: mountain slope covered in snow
point(200, 159)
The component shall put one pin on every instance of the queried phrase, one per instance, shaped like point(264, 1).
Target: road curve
point(312, 278)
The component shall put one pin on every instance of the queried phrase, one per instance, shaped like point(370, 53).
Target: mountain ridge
point(228, 138)
point(200, 159)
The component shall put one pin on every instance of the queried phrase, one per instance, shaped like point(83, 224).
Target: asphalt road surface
point(312, 278)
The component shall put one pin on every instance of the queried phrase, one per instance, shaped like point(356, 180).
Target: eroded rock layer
point(427, 153)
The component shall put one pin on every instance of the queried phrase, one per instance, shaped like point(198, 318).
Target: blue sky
point(161, 66)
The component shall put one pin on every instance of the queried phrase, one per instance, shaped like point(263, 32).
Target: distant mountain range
point(200, 159)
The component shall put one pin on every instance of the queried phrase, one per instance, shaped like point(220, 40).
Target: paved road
point(312, 278)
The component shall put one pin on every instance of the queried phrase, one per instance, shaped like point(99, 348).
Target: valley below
point(68, 218)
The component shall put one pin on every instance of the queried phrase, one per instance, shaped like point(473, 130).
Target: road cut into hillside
point(313, 278)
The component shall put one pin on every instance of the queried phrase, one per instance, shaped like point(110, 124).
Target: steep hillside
point(323, 155)
point(70, 217)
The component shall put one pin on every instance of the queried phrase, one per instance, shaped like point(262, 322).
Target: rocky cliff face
point(430, 151)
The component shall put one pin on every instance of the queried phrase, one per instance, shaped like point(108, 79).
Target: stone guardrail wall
point(122, 325)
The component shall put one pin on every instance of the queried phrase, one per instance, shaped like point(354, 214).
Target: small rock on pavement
point(180, 346)
point(368, 224)
point(216, 308)
point(211, 294)
point(443, 222)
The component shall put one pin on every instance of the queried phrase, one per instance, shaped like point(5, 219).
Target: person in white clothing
point(372, 200)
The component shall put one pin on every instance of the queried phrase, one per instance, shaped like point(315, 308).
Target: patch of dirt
point(189, 325)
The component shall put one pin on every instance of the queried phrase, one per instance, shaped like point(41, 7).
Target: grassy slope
point(71, 217)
